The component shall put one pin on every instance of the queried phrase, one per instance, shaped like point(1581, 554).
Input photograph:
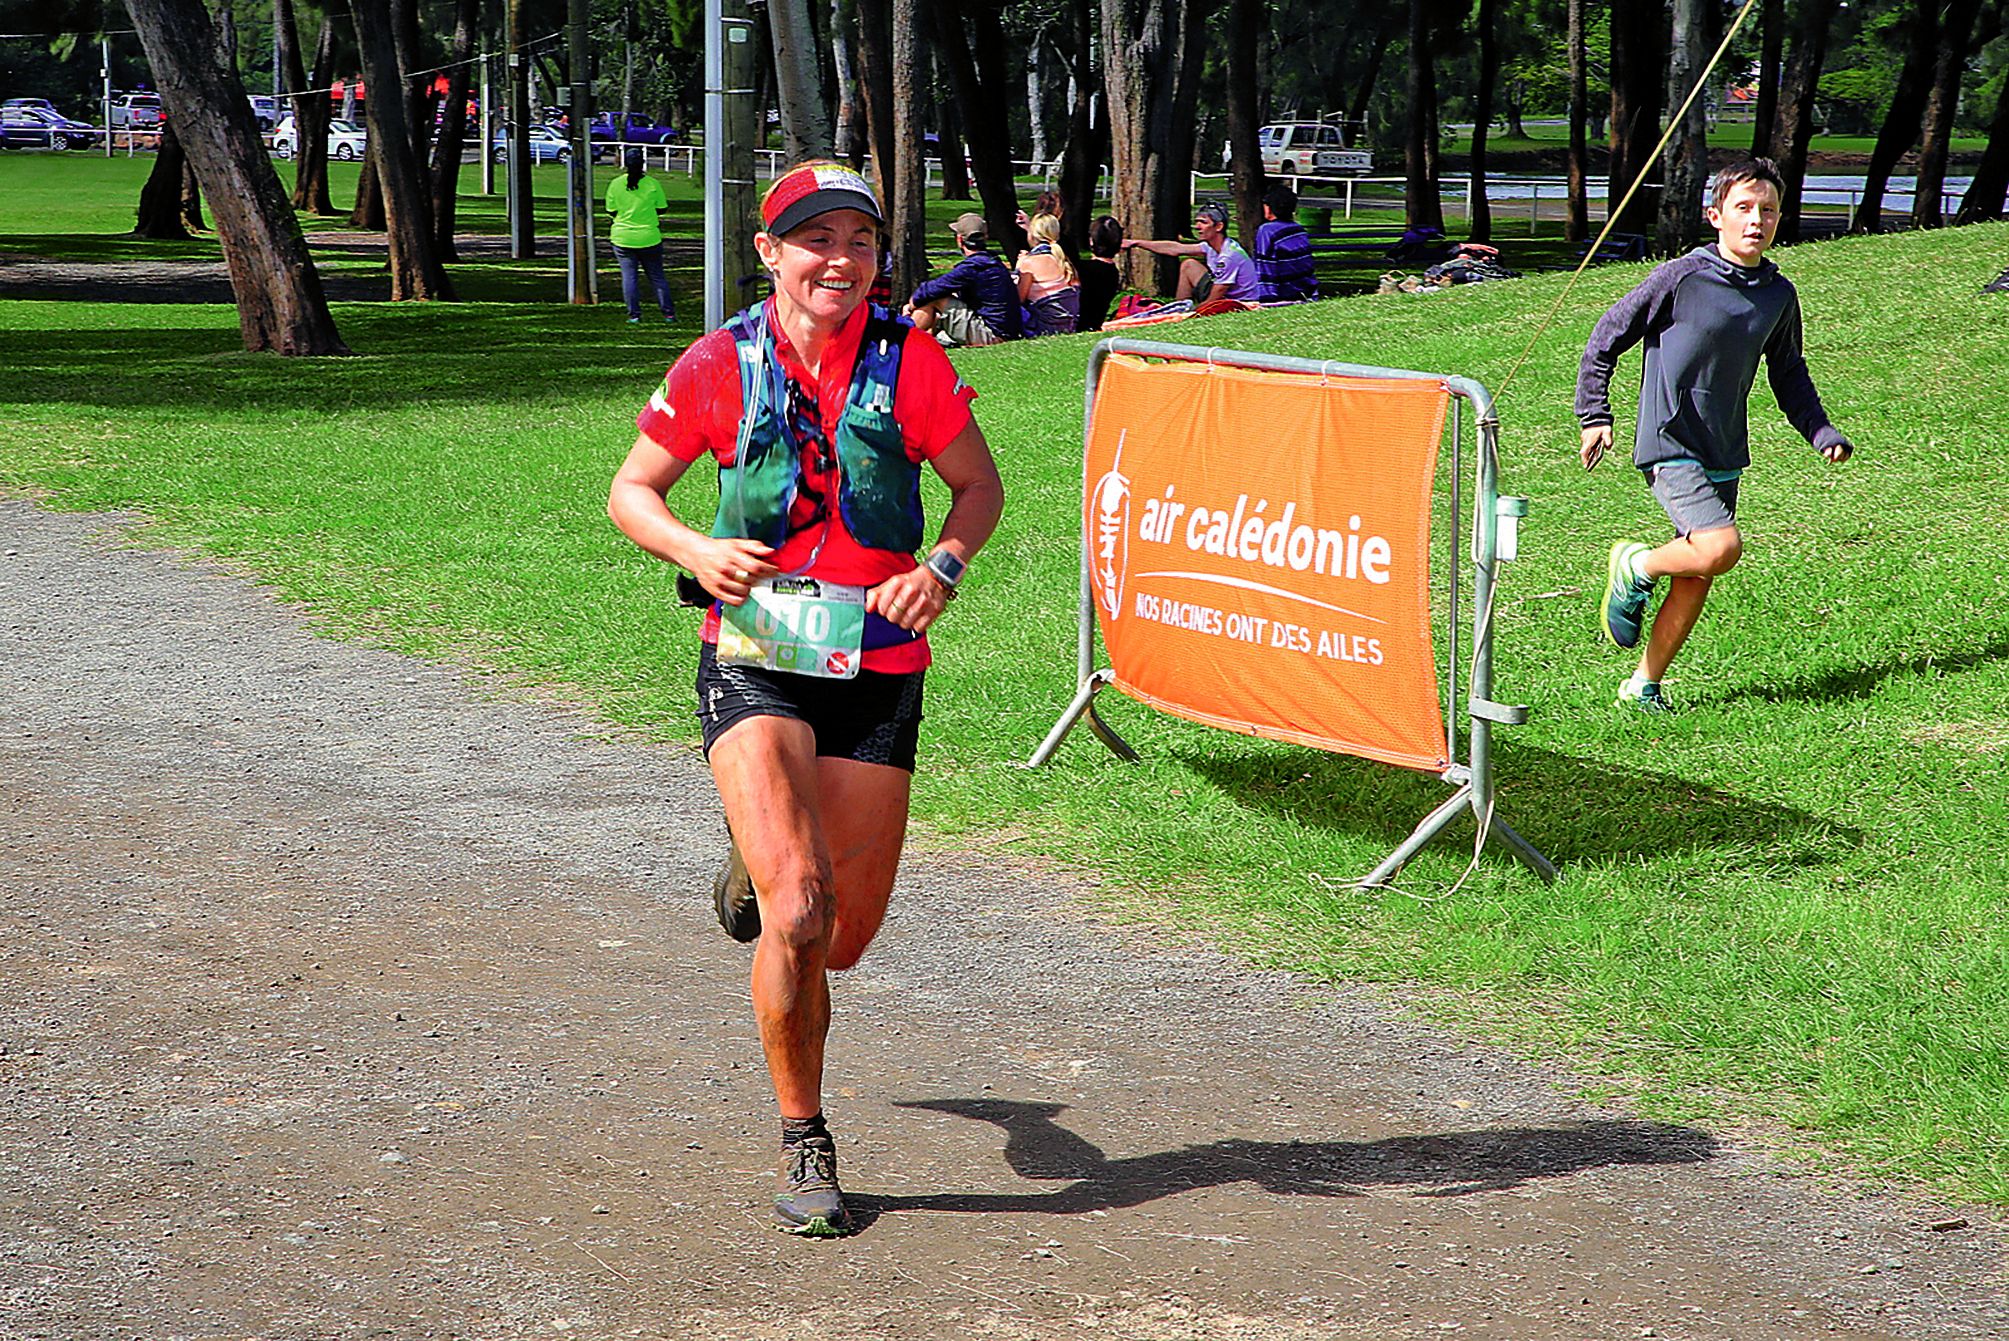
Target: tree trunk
point(875, 77)
point(293, 81)
point(1685, 167)
point(1480, 209)
point(850, 141)
point(1935, 136)
point(417, 87)
point(369, 208)
point(280, 306)
point(311, 114)
point(416, 272)
point(191, 198)
point(1363, 93)
point(1989, 190)
point(453, 129)
point(798, 78)
point(1797, 92)
point(1140, 56)
point(1175, 184)
point(1245, 153)
point(1639, 30)
point(160, 217)
point(1035, 99)
point(1771, 50)
point(1087, 135)
point(1577, 229)
point(907, 217)
point(980, 74)
point(1420, 198)
point(1907, 108)
point(949, 149)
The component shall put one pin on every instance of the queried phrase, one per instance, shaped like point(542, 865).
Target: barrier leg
point(1522, 848)
point(1432, 825)
point(1084, 706)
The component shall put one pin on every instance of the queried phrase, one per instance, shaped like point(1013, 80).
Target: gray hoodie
point(1705, 321)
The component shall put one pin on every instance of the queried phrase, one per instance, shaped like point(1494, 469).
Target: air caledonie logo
point(1110, 503)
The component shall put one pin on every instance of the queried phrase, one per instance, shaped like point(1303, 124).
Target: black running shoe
point(810, 1202)
point(732, 895)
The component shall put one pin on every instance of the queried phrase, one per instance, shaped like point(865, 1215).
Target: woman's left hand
point(913, 600)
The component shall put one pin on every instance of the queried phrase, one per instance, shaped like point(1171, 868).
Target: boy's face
point(1746, 222)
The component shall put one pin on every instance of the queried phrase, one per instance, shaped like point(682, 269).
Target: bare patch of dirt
point(345, 997)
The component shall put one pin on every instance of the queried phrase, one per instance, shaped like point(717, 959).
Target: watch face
point(947, 566)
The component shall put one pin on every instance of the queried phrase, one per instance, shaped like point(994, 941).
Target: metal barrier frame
point(1473, 780)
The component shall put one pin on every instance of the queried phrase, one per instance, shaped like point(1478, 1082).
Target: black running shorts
point(875, 718)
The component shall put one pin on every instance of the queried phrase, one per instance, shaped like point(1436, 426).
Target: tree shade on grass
point(1781, 907)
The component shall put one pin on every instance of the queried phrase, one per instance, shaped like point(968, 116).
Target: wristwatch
point(946, 569)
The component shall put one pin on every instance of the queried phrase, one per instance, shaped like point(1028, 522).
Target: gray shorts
point(957, 323)
point(1693, 501)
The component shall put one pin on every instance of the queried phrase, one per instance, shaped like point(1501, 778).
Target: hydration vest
point(878, 486)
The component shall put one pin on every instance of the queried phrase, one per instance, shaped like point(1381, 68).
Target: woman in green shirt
point(637, 202)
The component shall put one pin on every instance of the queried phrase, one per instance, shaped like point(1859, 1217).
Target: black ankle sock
point(794, 1131)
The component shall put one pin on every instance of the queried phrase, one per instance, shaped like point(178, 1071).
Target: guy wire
point(1614, 215)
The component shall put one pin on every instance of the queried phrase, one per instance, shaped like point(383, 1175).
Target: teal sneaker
point(810, 1203)
point(1642, 696)
point(1624, 596)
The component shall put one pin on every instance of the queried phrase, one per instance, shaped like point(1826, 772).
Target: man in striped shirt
point(1284, 272)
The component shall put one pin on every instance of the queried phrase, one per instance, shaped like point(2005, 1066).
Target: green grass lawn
point(1781, 909)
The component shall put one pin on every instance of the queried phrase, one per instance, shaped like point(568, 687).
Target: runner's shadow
point(1863, 681)
point(1448, 1164)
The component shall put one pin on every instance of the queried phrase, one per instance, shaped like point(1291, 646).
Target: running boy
point(1705, 318)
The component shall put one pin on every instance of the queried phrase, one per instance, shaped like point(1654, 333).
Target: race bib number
point(798, 625)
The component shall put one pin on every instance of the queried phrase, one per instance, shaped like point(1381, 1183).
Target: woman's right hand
point(729, 568)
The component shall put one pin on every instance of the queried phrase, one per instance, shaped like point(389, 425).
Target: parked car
point(639, 129)
point(42, 103)
point(346, 140)
point(1309, 148)
point(137, 111)
point(266, 108)
point(39, 128)
point(546, 145)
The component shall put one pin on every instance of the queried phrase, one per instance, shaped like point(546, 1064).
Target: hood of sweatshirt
point(1762, 273)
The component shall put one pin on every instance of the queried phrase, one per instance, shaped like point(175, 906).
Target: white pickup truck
point(1307, 149)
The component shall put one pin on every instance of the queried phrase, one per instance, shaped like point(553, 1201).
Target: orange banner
point(1259, 551)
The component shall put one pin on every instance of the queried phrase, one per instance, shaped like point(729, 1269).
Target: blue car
point(24, 127)
point(546, 145)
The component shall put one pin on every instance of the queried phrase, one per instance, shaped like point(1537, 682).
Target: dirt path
point(344, 998)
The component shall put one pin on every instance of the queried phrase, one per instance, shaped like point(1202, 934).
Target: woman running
point(820, 412)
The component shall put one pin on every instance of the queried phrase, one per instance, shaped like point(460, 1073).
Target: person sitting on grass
point(1705, 318)
point(1214, 267)
point(1284, 266)
point(976, 302)
point(1047, 284)
point(1100, 278)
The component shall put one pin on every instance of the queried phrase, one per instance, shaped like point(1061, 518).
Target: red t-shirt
point(698, 411)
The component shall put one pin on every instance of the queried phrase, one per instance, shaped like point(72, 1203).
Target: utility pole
point(579, 181)
point(522, 224)
point(731, 122)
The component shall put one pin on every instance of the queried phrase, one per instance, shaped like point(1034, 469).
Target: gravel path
point(348, 996)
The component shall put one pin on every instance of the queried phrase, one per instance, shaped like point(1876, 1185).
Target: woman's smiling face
point(823, 267)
